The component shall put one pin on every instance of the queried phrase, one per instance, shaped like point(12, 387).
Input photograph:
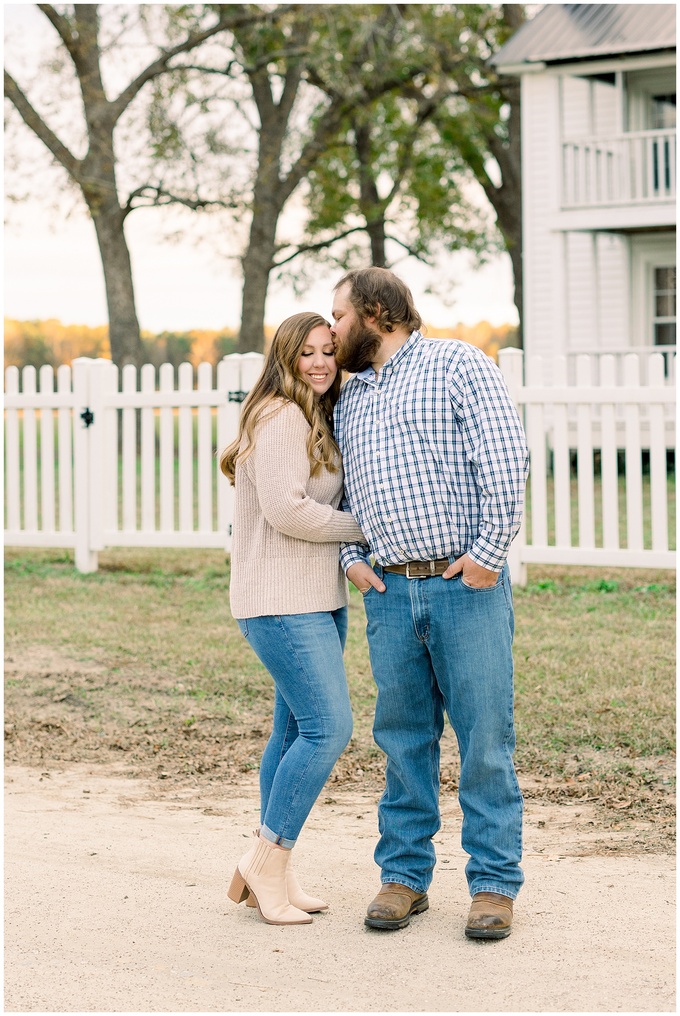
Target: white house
point(598, 170)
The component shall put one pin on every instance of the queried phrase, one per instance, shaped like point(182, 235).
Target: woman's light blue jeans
point(440, 645)
point(312, 713)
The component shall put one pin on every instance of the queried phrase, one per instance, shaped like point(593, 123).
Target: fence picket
point(561, 463)
point(28, 385)
point(129, 452)
point(633, 448)
point(204, 452)
point(65, 450)
point(186, 447)
point(166, 377)
point(110, 469)
point(12, 466)
point(148, 450)
point(657, 461)
point(609, 460)
point(537, 451)
point(584, 458)
point(47, 498)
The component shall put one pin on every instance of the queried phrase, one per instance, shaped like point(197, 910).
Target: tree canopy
point(382, 125)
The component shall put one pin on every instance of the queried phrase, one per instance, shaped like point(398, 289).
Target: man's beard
point(358, 349)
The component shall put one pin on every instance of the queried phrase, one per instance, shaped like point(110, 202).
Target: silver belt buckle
point(408, 570)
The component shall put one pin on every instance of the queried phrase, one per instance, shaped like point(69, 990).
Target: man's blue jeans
point(440, 645)
point(312, 713)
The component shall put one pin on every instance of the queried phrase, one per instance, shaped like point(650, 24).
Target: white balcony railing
point(617, 360)
point(635, 168)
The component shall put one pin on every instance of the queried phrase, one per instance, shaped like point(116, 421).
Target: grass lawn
point(142, 664)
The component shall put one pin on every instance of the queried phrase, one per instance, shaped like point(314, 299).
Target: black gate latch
point(87, 417)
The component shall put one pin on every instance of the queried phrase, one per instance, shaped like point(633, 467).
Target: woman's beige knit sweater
point(287, 531)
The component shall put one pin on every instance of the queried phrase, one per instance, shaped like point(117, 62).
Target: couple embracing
point(409, 481)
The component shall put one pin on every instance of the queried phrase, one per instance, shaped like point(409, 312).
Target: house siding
point(613, 258)
point(598, 293)
point(589, 108)
point(545, 304)
point(582, 292)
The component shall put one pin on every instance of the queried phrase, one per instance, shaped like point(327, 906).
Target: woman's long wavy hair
point(281, 379)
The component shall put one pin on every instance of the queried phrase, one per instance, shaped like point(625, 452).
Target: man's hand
point(474, 574)
point(363, 577)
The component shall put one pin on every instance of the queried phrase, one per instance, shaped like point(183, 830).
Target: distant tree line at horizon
point(50, 342)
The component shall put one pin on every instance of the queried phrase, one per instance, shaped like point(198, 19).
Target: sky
point(52, 267)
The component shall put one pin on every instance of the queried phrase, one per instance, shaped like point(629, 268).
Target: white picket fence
point(613, 517)
point(88, 466)
point(133, 468)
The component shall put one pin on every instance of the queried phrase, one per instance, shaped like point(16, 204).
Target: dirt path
point(115, 901)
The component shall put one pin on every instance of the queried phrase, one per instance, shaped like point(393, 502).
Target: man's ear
point(372, 319)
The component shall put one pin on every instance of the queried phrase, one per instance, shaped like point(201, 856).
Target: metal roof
point(562, 32)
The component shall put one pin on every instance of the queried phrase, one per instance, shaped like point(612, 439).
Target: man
point(435, 464)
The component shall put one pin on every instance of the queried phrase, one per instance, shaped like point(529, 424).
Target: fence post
point(85, 557)
point(511, 363)
point(236, 375)
point(98, 493)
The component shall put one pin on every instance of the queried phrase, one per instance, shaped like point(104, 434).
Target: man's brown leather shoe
point(393, 906)
point(490, 916)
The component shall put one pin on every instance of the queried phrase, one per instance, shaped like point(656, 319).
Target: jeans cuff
point(267, 834)
point(400, 880)
point(502, 890)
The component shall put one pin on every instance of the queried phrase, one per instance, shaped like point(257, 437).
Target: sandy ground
point(116, 901)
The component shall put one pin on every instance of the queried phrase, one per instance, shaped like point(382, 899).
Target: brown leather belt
point(419, 569)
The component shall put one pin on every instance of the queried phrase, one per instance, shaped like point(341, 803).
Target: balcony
point(632, 169)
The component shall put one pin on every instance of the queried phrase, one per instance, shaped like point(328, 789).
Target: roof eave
point(580, 60)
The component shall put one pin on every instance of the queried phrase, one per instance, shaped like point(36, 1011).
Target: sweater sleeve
point(282, 471)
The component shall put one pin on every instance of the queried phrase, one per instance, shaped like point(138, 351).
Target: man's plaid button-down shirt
point(434, 454)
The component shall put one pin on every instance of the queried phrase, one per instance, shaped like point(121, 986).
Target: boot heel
point(238, 890)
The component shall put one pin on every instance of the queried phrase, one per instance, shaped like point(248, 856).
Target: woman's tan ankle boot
point(296, 895)
point(262, 872)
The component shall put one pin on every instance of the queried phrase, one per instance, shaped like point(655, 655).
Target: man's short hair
point(379, 293)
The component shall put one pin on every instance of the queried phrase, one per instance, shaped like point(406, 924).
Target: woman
point(289, 596)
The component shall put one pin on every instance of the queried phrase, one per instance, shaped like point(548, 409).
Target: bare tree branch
point(410, 251)
point(320, 245)
point(62, 26)
point(159, 197)
point(36, 123)
point(194, 39)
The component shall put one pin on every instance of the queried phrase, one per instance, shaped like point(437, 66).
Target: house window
point(662, 112)
point(664, 306)
point(650, 99)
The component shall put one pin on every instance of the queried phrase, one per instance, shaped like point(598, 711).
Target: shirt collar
point(390, 365)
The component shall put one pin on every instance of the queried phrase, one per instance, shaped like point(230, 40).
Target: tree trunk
point(369, 199)
point(257, 264)
point(515, 252)
point(97, 178)
point(508, 199)
point(124, 334)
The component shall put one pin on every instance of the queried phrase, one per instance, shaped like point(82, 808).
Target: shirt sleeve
point(281, 474)
point(351, 553)
point(496, 448)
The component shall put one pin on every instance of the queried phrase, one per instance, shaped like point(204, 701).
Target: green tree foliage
point(409, 174)
point(92, 38)
point(266, 82)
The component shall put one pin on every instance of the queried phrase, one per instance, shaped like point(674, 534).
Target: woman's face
point(317, 360)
